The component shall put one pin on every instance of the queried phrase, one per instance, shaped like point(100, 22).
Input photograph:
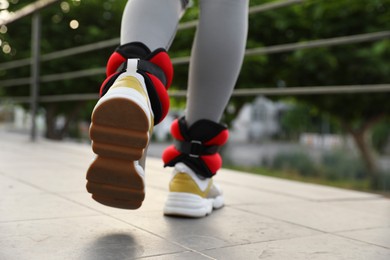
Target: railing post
point(35, 71)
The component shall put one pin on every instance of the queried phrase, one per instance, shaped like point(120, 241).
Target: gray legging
point(217, 52)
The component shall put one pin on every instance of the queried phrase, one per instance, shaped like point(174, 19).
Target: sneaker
point(133, 99)
point(196, 159)
point(122, 123)
point(191, 195)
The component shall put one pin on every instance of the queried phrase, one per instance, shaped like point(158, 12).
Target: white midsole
point(192, 205)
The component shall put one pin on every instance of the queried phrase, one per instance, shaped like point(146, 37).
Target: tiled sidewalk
point(45, 213)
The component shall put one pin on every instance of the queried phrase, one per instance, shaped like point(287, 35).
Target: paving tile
point(71, 154)
point(377, 236)
point(50, 177)
point(180, 256)
point(41, 205)
point(46, 213)
point(154, 201)
point(296, 189)
point(224, 227)
point(156, 175)
point(321, 247)
point(320, 216)
point(95, 238)
point(378, 207)
point(157, 164)
point(10, 187)
point(49, 166)
point(239, 196)
point(19, 146)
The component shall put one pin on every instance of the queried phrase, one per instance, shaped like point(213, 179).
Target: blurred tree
point(304, 118)
point(352, 64)
point(381, 137)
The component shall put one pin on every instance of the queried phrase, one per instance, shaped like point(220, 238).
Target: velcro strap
point(195, 148)
point(147, 66)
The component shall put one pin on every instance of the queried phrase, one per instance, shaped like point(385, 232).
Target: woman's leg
point(133, 99)
point(151, 22)
point(154, 23)
point(216, 57)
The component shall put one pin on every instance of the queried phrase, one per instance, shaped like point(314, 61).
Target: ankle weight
point(197, 146)
point(155, 67)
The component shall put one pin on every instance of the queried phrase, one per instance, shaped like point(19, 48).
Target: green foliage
point(297, 162)
point(302, 117)
point(338, 165)
point(381, 136)
point(359, 184)
point(333, 166)
point(351, 64)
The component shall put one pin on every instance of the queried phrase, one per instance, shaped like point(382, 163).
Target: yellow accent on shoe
point(184, 183)
point(130, 82)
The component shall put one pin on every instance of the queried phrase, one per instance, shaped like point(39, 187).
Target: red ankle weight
point(155, 67)
point(197, 146)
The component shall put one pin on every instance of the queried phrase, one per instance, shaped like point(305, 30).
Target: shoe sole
point(119, 132)
point(183, 204)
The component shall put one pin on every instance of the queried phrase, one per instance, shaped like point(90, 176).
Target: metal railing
point(27, 10)
point(35, 79)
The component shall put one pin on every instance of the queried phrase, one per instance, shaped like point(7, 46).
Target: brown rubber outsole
point(119, 134)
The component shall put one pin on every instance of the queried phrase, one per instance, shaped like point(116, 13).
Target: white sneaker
point(191, 195)
point(122, 123)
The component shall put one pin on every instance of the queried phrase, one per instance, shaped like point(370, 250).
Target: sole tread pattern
point(119, 134)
